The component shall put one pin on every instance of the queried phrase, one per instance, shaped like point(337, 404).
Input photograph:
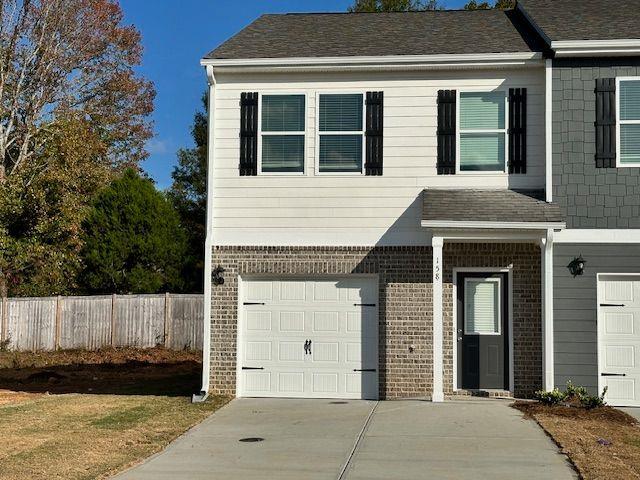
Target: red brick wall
point(405, 306)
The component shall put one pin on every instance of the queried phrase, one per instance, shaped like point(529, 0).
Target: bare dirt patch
point(86, 415)
point(601, 443)
point(155, 371)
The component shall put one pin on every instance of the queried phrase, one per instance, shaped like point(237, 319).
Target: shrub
point(553, 397)
point(593, 401)
point(576, 391)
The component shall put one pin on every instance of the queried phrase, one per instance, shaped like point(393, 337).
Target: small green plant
point(552, 397)
point(5, 344)
point(593, 401)
point(576, 391)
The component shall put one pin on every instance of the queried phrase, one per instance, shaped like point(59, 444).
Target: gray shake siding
point(575, 307)
point(590, 197)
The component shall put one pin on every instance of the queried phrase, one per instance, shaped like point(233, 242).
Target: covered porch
point(492, 284)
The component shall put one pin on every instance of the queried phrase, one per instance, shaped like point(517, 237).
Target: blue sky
point(175, 35)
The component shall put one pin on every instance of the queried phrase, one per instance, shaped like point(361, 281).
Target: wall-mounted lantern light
point(576, 267)
point(217, 277)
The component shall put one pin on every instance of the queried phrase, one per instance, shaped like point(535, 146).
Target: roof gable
point(381, 34)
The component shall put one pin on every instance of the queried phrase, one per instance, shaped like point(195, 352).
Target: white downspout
point(208, 245)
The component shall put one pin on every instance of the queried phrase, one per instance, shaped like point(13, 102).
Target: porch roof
point(489, 209)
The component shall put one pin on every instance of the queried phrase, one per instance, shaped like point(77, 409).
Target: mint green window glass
point(629, 121)
point(283, 126)
point(482, 131)
point(341, 133)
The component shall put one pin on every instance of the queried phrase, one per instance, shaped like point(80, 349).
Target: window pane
point(482, 110)
point(482, 306)
point(629, 143)
point(482, 152)
point(341, 153)
point(340, 113)
point(630, 100)
point(283, 153)
point(283, 113)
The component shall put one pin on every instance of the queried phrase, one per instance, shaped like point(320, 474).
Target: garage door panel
point(328, 312)
point(619, 339)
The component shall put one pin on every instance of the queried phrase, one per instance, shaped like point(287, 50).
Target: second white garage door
point(308, 338)
point(619, 339)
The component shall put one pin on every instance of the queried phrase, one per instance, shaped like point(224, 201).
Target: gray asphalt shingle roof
point(488, 206)
point(376, 34)
point(585, 19)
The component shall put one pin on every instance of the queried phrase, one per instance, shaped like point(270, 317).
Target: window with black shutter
point(446, 132)
point(517, 130)
point(605, 122)
point(374, 133)
point(249, 133)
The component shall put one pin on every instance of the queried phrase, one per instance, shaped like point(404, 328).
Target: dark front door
point(483, 337)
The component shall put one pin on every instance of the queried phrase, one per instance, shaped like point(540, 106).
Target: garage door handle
point(365, 370)
point(253, 303)
point(364, 304)
point(253, 368)
point(613, 374)
point(612, 304)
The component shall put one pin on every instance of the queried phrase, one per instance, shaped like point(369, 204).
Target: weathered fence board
point(48, 323)
point(31, 323)
point(185, 328)
point(85, 322)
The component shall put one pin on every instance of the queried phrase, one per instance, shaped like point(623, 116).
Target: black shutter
point(517, 130)
point(446, 132)
point(249, 134)
point(605, 122)
point(375, 123)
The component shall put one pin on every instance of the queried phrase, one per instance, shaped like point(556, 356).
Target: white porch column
point(547, 310)
point(438, 393)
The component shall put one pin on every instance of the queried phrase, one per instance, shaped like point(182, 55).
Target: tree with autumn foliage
point(500, 4)
point(72, 114)
point(394, 5)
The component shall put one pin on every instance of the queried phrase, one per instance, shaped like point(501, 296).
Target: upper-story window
point(482, 131)
point(282, 134)
point(341, 133)
point(629, 123)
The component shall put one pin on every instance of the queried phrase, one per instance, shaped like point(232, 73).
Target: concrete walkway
point(323, 439)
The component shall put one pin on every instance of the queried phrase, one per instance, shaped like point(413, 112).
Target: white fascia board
point(597, 235)
point(596, 48)
point(470, 60)
point(492, 225)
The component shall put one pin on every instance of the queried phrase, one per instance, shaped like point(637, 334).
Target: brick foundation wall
point(405, 306)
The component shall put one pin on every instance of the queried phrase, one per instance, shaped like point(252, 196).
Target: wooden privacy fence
point(51, 323)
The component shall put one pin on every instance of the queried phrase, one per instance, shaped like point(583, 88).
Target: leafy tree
point(500, 4)
point(41, 211)
point(134, 242)
point(72, 112)
point(189, 196)
point(394, 5)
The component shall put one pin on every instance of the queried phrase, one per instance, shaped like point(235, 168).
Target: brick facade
point(405, 308)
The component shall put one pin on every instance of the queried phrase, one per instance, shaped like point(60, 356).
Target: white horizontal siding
point(315, 209)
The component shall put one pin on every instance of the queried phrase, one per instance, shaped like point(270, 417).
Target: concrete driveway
point(324, 439)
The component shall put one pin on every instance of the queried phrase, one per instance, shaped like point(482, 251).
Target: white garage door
point(619, 339)
point(309, 338)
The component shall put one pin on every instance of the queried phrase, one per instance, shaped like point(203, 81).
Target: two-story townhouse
point(381, 217)
point(595, 147)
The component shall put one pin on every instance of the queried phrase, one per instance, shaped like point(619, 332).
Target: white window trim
point(505, 170)
point(303, 133)
point(319, 133)
point(620, 122)
point(497, 280)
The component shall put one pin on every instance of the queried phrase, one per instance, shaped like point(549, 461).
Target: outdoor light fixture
point(217, 277)
point(576, 267)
